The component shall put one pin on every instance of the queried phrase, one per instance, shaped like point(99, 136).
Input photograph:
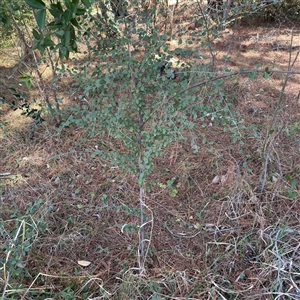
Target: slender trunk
point(227, 9)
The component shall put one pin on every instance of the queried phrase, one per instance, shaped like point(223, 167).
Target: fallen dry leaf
point(84, 263)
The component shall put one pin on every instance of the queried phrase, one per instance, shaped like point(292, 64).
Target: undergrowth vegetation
point(160, 161)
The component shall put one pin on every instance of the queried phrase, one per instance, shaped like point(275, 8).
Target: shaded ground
point(221, 235)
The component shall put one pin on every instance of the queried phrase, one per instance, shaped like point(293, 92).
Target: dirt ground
point(220, 235)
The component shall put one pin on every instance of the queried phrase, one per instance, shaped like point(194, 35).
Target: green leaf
point(56, 13)
point(41, 18)
point(178, 51)
point(39, 4)
point(67, 38)
point(74, 6)
point(48, 42)
point(27, 79)
point(54, 25)
point(3, 18)
point(57, 6)
point(68, 4)
point(265, 75)
point(40, 47)
point(67, 16)
point(36, 35)
point(72, 33)
point(252, 74)
point(80, 11)
point(294, 183)
point(74, 47)
point(75, 2)
point(75, 23)
point(86, 3)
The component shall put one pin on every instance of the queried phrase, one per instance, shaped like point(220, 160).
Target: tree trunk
point(227, 9)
